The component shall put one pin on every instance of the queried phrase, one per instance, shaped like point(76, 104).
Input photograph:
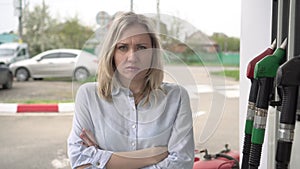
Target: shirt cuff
point(98, 157)
point(101, 158)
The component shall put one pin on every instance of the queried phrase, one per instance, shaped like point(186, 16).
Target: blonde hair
point(107, 66)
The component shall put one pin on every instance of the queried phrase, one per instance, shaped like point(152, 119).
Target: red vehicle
point(226, 159)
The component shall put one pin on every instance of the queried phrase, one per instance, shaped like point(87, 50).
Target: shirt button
point(133, 144)
point(134, 126)
point(98, 163)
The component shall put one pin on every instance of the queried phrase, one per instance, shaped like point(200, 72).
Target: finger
point(85, 138)
point(91, 136)
point(83, 143)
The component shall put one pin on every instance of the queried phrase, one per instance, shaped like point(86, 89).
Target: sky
point(209, 16)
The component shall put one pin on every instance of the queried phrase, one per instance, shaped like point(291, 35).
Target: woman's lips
point(132, 68)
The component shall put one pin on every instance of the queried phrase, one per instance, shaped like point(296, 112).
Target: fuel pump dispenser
point(265, 72)
point(287, 79)
point(251, 103)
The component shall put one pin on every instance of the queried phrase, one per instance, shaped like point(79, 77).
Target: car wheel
point(40, 78)
point(9, 83)
point(22, 74)
point(81, 74)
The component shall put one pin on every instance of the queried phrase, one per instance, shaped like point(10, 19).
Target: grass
point(38, 101)
point(235, 74)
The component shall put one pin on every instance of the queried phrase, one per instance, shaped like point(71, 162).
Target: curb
point(36, 108)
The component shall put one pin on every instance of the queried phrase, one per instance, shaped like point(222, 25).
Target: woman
point(130, 118)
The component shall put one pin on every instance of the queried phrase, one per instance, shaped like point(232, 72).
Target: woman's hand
point(88, 138)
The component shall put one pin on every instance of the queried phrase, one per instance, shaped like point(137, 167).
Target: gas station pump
point(288, 78)
point(265, 71)
point(282, 119)
point(251, 103)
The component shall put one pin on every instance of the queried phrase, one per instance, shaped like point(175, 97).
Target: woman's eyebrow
point(140, 43)
point(143, 43)
point(122, 43)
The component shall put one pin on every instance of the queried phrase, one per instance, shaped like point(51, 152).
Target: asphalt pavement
point(34, 141)
point(38, 140)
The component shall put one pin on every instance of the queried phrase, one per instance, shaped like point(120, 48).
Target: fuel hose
point(251, 104)
point(287, 79)
point(265, 72)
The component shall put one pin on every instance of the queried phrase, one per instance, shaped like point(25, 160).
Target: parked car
point(6, 77)
point(13, 52)
point(57, 63)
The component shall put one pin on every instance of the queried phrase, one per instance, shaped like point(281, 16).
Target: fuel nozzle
point(265, 72)
point(288, 80)
point(251, 103)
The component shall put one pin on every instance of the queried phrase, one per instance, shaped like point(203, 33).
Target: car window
point(51, 56)
point(22, 52)
point(67, 55)
point(7, 52)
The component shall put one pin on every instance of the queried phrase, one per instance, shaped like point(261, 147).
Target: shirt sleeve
point(78, 153)
point(181, 144)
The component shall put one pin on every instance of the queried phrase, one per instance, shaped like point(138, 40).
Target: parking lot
point(39, 90)
point(38, 140)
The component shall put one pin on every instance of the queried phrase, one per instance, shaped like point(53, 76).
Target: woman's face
point(133, 53)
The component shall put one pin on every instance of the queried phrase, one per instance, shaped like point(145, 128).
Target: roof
point(199, 37)
point(12, 45)
point(8, 37)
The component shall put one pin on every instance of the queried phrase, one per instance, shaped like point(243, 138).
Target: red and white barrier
point(36, 108)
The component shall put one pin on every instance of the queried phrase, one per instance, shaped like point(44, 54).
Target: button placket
point(133, 125)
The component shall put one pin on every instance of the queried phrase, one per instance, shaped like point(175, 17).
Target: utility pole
point(18, 12)
point(131, 5)
point(20, 22)
point(158, 16)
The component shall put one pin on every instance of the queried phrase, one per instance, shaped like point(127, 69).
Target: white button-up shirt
point(120, 125)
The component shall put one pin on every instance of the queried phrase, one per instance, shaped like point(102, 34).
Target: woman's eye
point(141, 47)
point(122, 48)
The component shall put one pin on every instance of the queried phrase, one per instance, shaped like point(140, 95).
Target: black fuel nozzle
point(288, 79)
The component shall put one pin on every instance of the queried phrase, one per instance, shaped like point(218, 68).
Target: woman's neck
point(136, 86)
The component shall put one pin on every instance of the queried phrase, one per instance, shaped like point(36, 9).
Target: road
point(38, 140)
point(34, 141)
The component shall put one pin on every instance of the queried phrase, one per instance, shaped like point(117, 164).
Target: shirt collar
point(117, 87)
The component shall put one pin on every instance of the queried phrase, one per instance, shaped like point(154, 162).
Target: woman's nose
point(131, 55)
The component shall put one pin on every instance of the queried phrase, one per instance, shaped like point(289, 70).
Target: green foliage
point(226, 43)
point(37, 26)
point(74, 35)
point(42, 32)
point(235, 74)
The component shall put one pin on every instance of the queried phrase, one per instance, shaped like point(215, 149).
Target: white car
point(57, 63)
point(13, 52)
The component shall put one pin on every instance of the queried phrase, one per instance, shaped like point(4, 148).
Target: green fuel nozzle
point(265, 71)
point(251, 103)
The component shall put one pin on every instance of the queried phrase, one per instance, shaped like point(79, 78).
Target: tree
point(39, 28)
point(42, 32)
point(226, 43)
point(74, 35)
